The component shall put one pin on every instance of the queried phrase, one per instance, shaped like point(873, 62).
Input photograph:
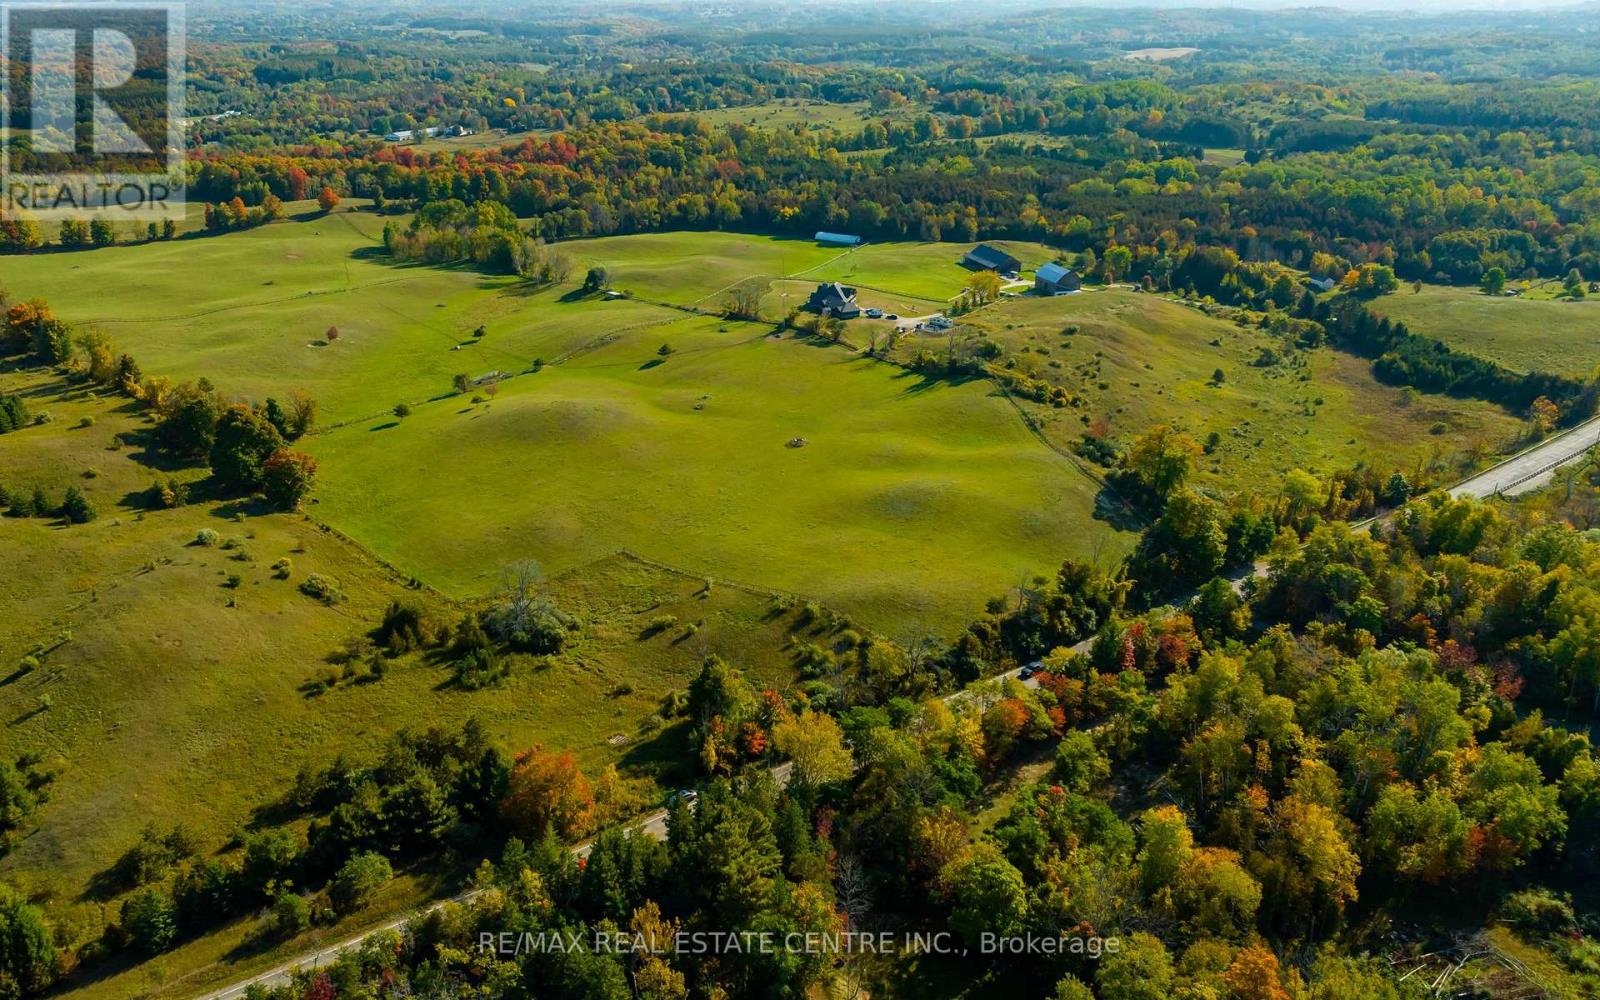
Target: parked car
point(687, 796)
point(1029, 670)
point(891, 316)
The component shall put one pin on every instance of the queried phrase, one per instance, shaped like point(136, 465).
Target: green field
point(701, 268)
point(250, 311)
point(908, 504)
point(928, 270)
point(786, 112)
point(696, 268)
point(1529, 333)
point(1140, 359)
point(178, 697)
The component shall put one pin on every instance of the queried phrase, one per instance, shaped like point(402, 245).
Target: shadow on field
point(245, 506)
point(1111, 509)
point(923, 381)
point(662, 756)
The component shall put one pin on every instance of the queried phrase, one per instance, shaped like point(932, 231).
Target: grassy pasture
point(907, 505)
point(699, 268)
point(250, 310)
point(1529, 333)
point(1140, 359)
point(166, 702)
point(930, 271)
point(787, 112)
point(696, 268)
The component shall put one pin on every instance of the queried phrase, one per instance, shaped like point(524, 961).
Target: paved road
point(653, 825)
point(1523, 472)
point(1535, 467)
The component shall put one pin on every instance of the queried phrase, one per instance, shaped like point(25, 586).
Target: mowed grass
point(696, 268)
point(250, 312)
point(168, 695)
point(907, 503)
point(701, 268)
point(1138, 360)
point(931, 271)
point(1527, 334)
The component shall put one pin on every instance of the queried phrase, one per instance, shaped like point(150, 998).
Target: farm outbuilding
point(1053, 279)
point(984, 257)
point(839, 239)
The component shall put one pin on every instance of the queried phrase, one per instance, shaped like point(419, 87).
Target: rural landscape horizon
point(814, 500)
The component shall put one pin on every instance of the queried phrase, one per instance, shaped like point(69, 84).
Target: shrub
point(358, 880)
point(1538, 910)
point(150, 920)
point(659, 624)
point(403, 628)
point(324, 589)
point(479, 668)
point(291, 914)
point(282, 568)
point(206, 537)
point(76, 507)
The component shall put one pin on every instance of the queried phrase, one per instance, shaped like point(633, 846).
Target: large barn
point(1053, 279)
point(984, 257)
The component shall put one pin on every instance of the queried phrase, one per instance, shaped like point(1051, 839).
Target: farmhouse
point(834, 299)
point(1053, 279)
point(1322, 284)
point(838, 239)
point(984, 257)
point(408, 134)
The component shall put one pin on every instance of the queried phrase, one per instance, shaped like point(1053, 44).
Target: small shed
point(1053, 279)
point(838, 239)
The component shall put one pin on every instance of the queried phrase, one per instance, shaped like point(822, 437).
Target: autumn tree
point(1161, 459)
point(286, 478)
point(327, 199)
point(545, 793)
point(814, 742)
point(244, 440)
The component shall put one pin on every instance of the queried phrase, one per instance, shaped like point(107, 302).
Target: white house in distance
point(1053, 279)
point(431, 132)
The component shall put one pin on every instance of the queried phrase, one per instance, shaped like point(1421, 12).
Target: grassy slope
point(168, 704)
point(1156, 359)
point(786, 112)
point(929, 270)
point(1527, 334)
point(698, 268)
point(909, 504)
point(249, 311)
point(690, 268)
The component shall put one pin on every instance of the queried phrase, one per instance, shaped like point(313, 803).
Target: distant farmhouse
point(431, 132)
point(1322, 284)
point(839, 239)
point(984, 257)
point(834, 299)
point(1053, 279)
